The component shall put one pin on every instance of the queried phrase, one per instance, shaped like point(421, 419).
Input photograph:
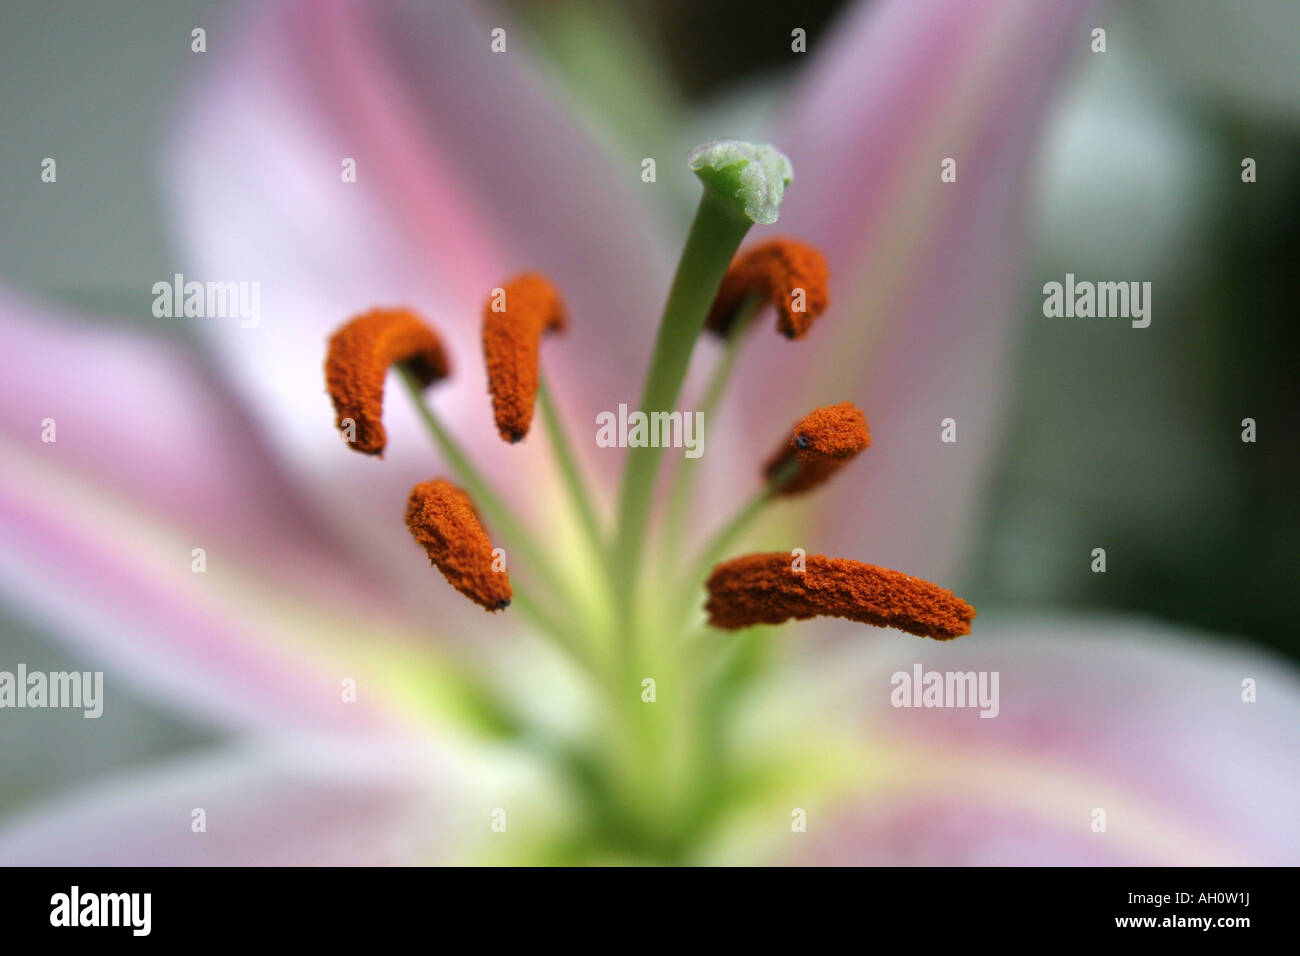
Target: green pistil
point(710, 246)
point(680, 493)
point(743, 184)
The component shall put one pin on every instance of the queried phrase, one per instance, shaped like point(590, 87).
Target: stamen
point(441, 517)
point(773, 271)
point(765, 589)
point(823, 442)
point(511, 340)
point(358, 359)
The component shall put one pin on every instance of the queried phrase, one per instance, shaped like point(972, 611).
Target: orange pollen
point(823, 442)
point(511, 348)
point(791, 275)
point(765, 589)
point(358, 360)
point(442, 519)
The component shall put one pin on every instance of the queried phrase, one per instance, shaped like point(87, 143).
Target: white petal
point(291, 802)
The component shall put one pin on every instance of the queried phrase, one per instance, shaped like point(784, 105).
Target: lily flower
point(199, 530)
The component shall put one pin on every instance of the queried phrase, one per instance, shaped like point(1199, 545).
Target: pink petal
point(467, 173)
point(123, 592)
point(97, 529)
point(922, 271)
point(289, 802)
point(147, 418)
point(1140, 720)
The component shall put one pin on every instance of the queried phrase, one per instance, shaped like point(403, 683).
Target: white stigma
point(750, 177)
